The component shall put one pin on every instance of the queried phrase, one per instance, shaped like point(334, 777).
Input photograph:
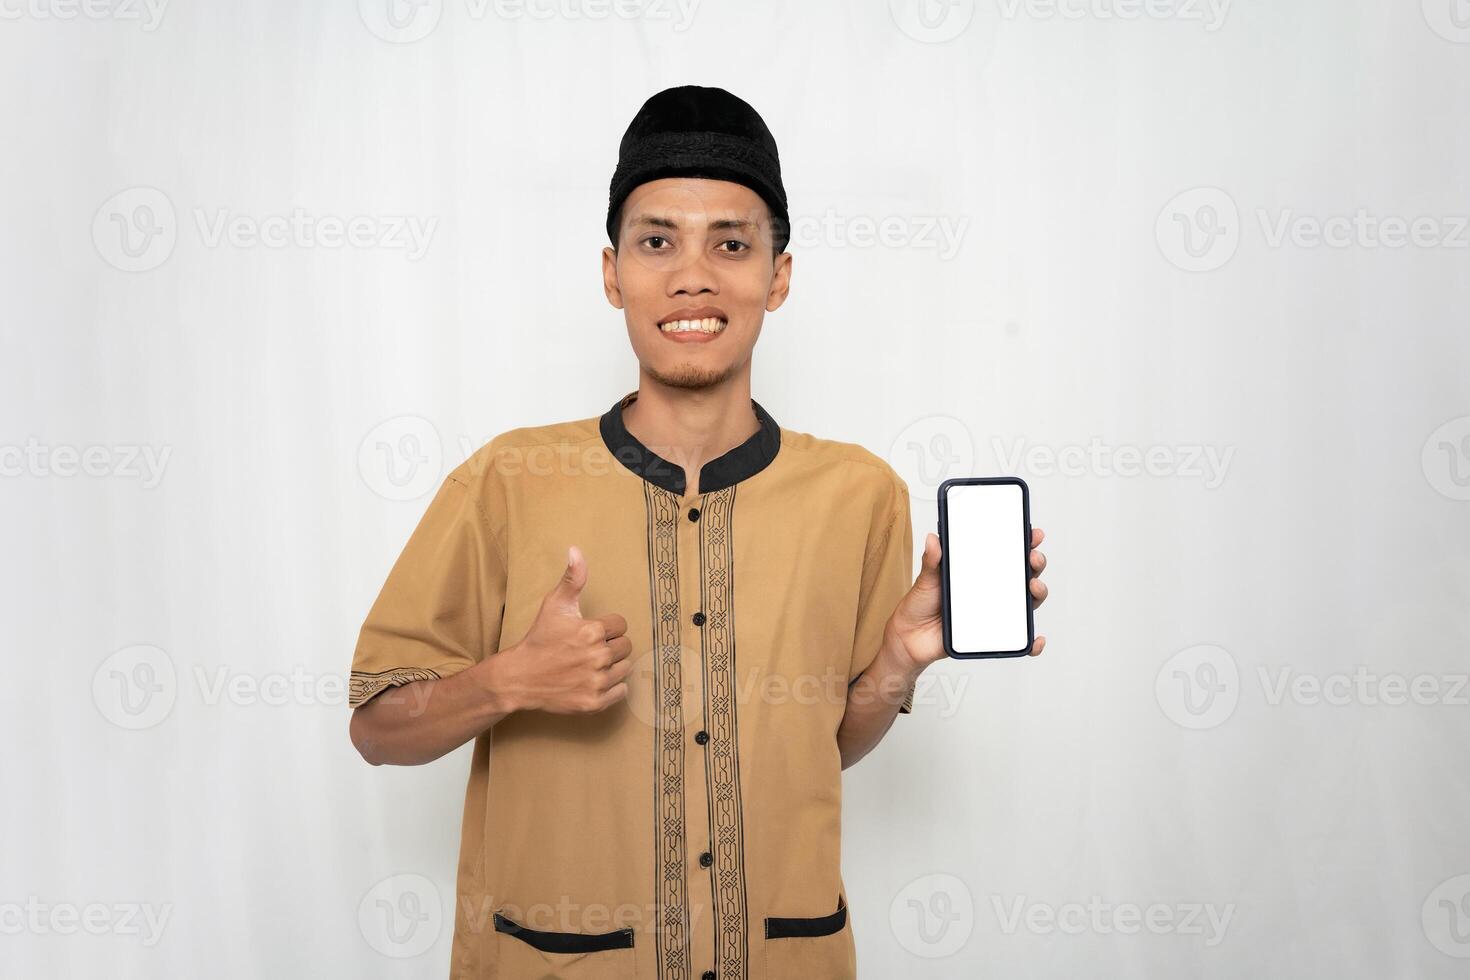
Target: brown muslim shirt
point(691, 831)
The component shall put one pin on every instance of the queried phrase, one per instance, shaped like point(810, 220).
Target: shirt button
point(694, 513)
point(701, 737)
point(698, 619)
point(706, 859)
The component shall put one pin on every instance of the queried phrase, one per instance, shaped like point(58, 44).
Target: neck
point(690, 426)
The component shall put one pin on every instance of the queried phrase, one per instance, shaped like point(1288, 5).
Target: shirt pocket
point(537, 954)
point(815, 948)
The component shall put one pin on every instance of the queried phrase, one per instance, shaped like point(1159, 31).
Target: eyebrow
point(722, 224)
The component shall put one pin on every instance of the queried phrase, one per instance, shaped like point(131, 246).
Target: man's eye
point(654, 239)
point(737, 242)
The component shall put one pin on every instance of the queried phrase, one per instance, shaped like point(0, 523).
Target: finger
point(1038, 561)
point(611, 697)
point(929, 564)
point(620, 648)
point(1039, 590)
point(566, 596)
point(1037, 536)
point(614, 623)
point(617, 673)
point(1037, 647)
point(609, 654)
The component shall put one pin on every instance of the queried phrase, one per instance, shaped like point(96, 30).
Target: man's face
point(698, 250)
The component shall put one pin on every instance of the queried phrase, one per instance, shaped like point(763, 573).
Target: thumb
point(929, 563)
point(567, 594)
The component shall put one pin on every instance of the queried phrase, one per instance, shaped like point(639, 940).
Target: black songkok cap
point(693, 131)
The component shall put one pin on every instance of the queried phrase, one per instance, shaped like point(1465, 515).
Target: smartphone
point(985, 566)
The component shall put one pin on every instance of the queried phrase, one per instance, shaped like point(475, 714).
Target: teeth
point(710, 324)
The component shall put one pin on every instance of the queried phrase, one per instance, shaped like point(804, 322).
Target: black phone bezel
point(1025, 563)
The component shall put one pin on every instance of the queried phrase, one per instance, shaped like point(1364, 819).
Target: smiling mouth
point(705, 325)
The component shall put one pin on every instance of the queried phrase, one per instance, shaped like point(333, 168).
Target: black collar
point(742, 462)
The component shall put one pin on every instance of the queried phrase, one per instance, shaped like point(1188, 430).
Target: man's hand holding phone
point(917, 625)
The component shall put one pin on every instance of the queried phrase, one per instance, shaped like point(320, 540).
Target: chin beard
point(690, 377)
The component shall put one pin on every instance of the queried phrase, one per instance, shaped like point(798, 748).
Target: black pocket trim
point(822, 925)
point(565, 942)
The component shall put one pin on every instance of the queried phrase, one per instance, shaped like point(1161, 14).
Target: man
point(667, 628)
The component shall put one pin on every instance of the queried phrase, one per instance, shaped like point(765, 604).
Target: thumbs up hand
point(567, 664)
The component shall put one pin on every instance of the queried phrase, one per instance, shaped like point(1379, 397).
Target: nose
point(693, 278)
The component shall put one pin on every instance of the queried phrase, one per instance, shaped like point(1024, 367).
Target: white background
point(1130, 276)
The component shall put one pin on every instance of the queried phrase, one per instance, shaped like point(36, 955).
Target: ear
point(610, 287)
point(780, 283)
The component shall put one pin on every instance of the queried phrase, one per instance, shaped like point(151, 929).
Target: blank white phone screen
point(986, 562)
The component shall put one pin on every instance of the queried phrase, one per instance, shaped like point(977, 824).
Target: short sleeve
point(887, 577)
point(441, 608)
